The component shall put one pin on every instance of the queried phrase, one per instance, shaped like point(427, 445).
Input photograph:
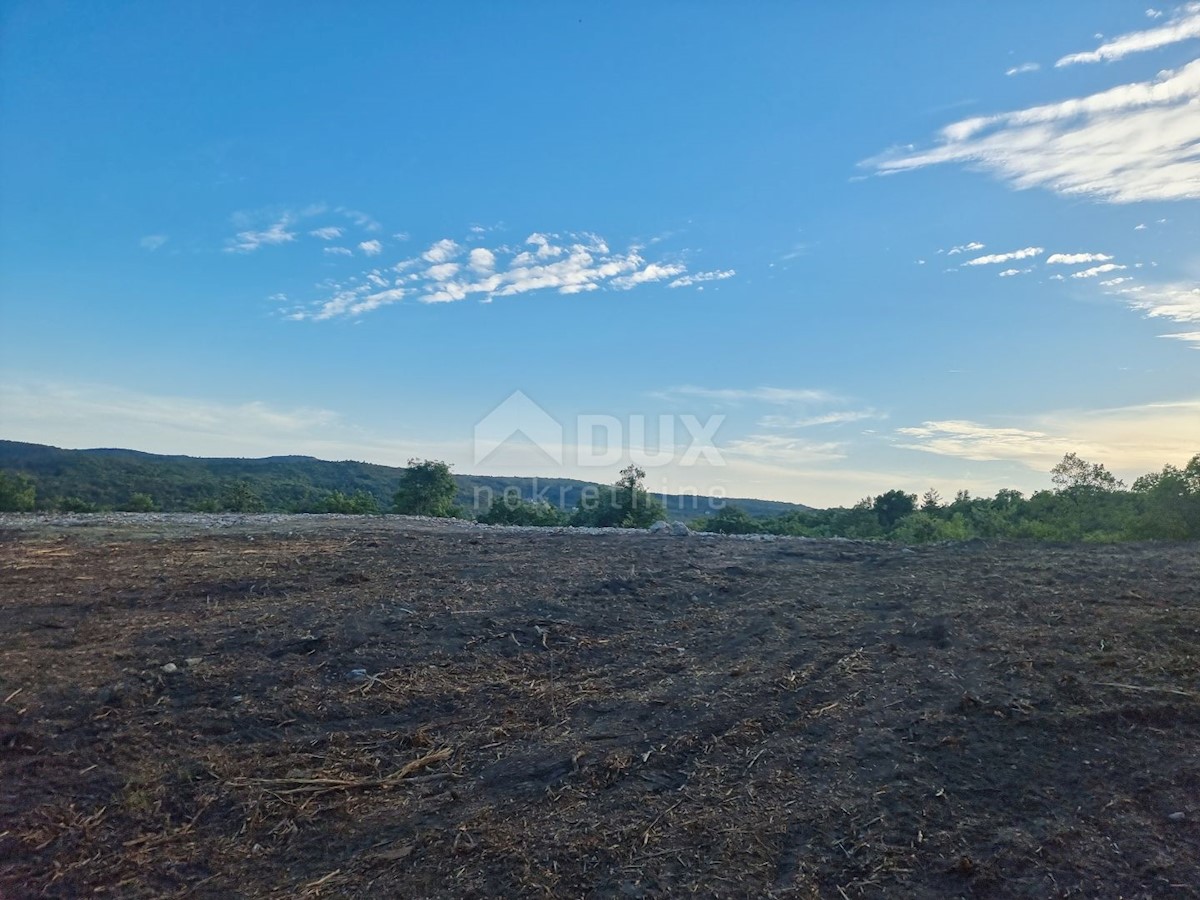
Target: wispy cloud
point(995, 258)
point(1173, 302)
point(1072, 259)
point(360, 219)
point(249, 241)
point(1008, 273)
point(965, 248)
point(835, 417)
point(1191, 337)
point(1022, 69)
point(339, 251)
point(780, 448)
point(984, 443)
point(328, 233)
point(1185, 26)
point(1135, 439)
point(1130, 143)
point(371, 248)
point(698, 277)
point(759, 394)
point(1097, 270)
point(153, 242)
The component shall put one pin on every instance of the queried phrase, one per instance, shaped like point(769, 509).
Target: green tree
point(730, 519)
point(75, 505)
point(1168, 503)
point(360, 503)
point(625, 504)
point(17, 492)
point(931, 501)
point(510, 509)
point(427, 489)
point(1075, 474)
point(139, 502)
point(893, 506)
point(240, 497)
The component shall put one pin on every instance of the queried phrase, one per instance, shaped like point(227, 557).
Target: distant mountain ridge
point(108, 477)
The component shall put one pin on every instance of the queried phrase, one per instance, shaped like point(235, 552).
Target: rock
point(194, 661)
point(1177, 816)
point(675, 528)
point(169, 669)
point(111, 694)
point(357, 675)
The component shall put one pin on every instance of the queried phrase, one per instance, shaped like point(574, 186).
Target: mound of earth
point(304, 707)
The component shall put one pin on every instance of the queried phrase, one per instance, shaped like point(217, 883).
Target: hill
point(107, 478)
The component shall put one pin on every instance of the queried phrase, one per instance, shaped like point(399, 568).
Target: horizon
point(907, 249)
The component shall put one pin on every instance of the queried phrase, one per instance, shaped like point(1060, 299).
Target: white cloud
point(442, 271)
point(1185, 26)
point(698, 277)
point(339, 251)
point(441, 251)
point(965, 248)
point(758, 394)
point(351, 301)
point(1174, 302)
point(1153, 13)
point(249, 241)
point(1141, 227)
point(482, 260)
point(779, 448)
point(652, 272)
point(1191, 337)
point(1113, 282)
point(1130, 143)
point(1132, 440)
point(836, 417)
point(328, 233)
point(994, 258)
point(1022, 69)
point(1097, 270)
point(1008, 273)
point(578, 263)
point(153, 242)
point(1072, 259)
point(371, 248)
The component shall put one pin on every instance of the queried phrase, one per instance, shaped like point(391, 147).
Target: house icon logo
point(518, 417)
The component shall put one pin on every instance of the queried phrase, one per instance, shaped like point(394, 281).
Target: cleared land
point(548, 714)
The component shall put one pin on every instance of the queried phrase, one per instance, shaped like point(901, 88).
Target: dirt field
point(568, 715)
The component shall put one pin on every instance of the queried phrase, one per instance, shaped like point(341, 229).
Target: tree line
point(1086, 503)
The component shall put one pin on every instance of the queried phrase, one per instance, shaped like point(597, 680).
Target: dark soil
point(568, 715)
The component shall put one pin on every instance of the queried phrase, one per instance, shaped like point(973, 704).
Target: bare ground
point(570, 715)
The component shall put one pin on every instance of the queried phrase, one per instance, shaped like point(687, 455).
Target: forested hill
point(122, 479)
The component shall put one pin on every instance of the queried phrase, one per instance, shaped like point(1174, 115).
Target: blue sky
point(889, 245)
